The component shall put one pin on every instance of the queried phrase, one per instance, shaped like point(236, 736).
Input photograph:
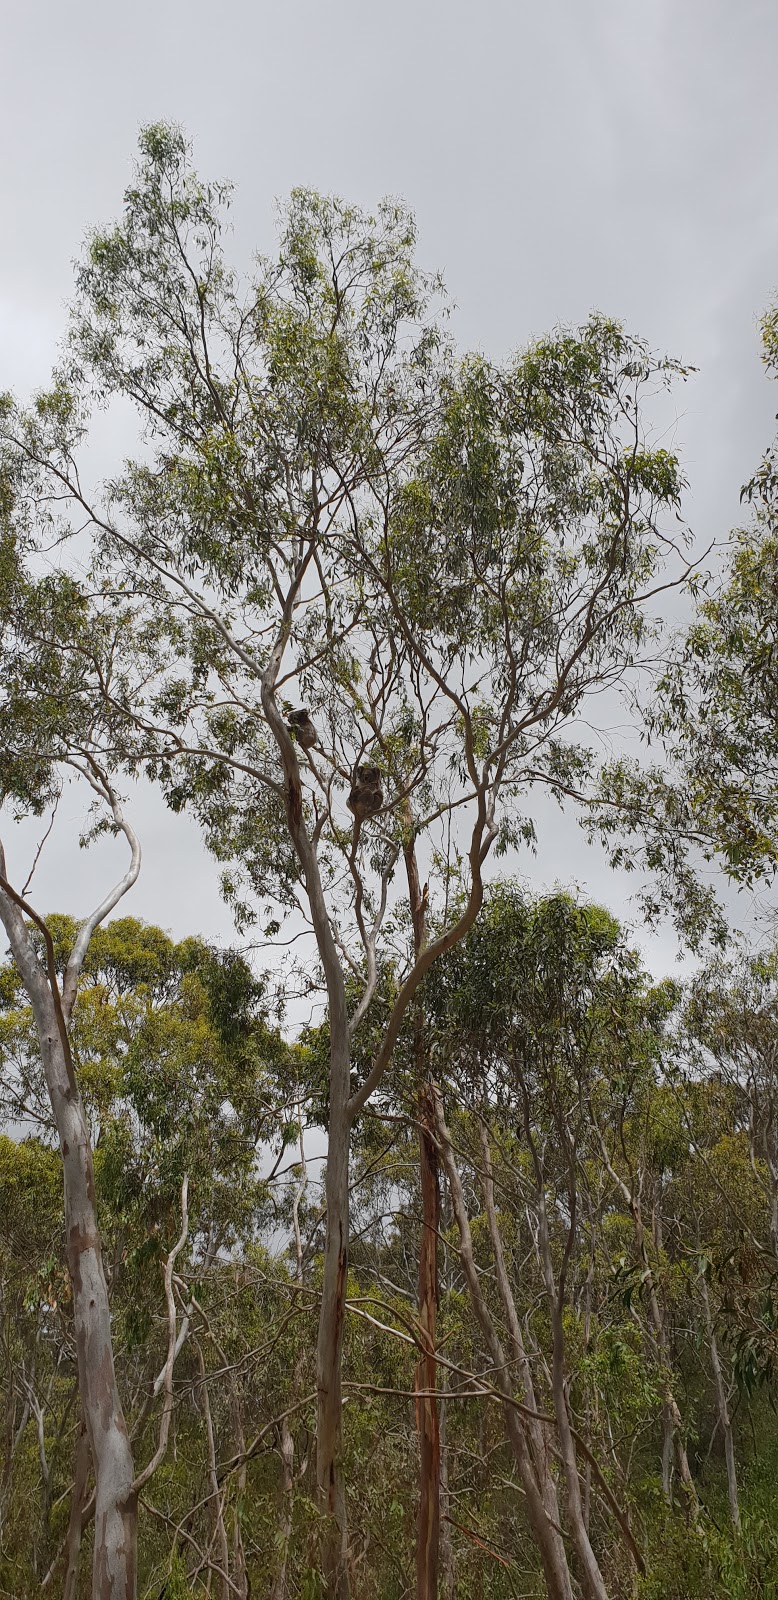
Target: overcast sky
point(560, 156)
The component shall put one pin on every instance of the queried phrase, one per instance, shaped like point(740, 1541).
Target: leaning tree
point(55, 656)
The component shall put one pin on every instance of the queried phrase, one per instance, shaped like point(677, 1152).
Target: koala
point(302, 728)
point(366, 795)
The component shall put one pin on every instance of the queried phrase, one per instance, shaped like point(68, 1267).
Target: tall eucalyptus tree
point(383, 582)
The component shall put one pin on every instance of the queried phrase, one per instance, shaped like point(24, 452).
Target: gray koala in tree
point(302, 728)
point(366, 795)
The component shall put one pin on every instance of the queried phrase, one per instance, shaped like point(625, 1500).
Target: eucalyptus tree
point(730, 1042)
point(731, 1023)
point(522, 1009)
point(54, 652)
point(383, 581)
point(179, 1072)
point(718, 704)
point(31, 1283)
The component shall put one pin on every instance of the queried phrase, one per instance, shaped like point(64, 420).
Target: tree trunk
point(592, 1581)
point(447, 1558)
point(329, 1349)
point(672, 1413)
point(114, 1572)
point(547, 1538)
point(427, 1420)
point(13, 1436)
point(76, 1522)
point(215, 1502)
point(535, 1429)
point(427, 1416)
point(279, 1589)
point(672, 1421)
point(668, 1434)
point(241, 1577)
point(115, 1537)
point(725, 1421)
point(329, 1346)
point(41, 1537)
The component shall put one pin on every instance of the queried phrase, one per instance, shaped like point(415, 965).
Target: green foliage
point(178, 1067)
point(543, 1010)
point(719, 696)
point(446, 559)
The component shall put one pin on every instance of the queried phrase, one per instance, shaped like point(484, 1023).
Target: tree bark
point(279, 1590)
point(242, 1583)
point(329, 1346)
point(672, 1421)
point(41, 1536)
point(725, 1421)
point(427, 1413)
point(592, 1581)
point(345, 1107)
point(115, 1538)
point(215, 1502)
point(76, 1522)
point(668, 1433)
point(13, 1436)
point(427, 1417)
point(329, 1353)
point(535, 1429)
point(547, 1538)
point(448, 1574)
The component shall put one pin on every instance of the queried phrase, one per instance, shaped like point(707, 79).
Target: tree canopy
point(458, 1278)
